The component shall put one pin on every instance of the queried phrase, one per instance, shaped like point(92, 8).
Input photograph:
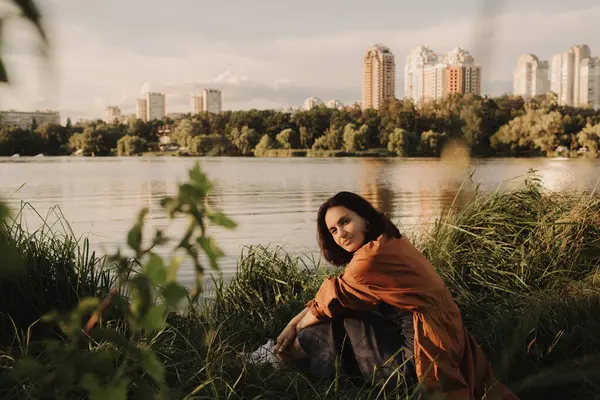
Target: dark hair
point(378, 223)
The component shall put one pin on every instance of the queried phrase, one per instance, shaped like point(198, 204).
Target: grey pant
point(359, 345)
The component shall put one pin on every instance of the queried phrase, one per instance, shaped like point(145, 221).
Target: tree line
point(501, 126)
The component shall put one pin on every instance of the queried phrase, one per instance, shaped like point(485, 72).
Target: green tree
point(130, 145)
point(320, 143)
point(589, 137)
point(396, 114)
point(98, 140)
point(316, 121)
point(370, 121)
point(288, 139)
point(355, 140)
point(183, 132)
point(211, 145)
point(514, 138)
point(137, 127)
point(547, 131)
point(432, 143)
point(535, 132)
point(306, 138)
point(19, 141)
point(54, 138)
point(245, 140)
point(402, 142)
point(331, 140)
point(78, 142)
point(265, 144)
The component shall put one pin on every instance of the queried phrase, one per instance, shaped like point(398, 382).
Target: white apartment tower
point(156, 106)
point(531, 77)
point(212, 100)
point(379, 77)
point(312, 102)
point(333, 103)
point(197, 104)
point(580, 53)
point(418, 60)
point(141, 109)
point(457, 56)
point(565, 74)
point(589, 82)
point(428, 76)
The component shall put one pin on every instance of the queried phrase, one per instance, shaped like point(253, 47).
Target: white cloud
point(146, 87)
point(229, 77)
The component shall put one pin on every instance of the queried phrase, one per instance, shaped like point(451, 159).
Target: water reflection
point(374, 185)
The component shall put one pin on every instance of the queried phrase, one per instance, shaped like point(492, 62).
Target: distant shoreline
point(380, 153)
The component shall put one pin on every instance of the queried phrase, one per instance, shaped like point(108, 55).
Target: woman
point(388, 305)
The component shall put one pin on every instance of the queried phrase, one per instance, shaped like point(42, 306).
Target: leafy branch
point(114, 357)
point(28, 10)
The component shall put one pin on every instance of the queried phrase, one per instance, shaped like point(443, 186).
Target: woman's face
point(346, 227)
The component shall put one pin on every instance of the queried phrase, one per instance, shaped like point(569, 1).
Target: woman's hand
point(307, 320)
point(285, 338)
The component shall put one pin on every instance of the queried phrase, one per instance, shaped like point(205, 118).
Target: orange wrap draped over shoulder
point(393, 271)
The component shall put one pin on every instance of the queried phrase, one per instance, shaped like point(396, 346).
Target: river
point(273, 200)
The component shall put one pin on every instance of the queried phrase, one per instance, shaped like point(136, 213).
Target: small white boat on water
point(39, 155)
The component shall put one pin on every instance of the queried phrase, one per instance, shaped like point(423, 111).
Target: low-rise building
point(27, 119)
point(112, 115)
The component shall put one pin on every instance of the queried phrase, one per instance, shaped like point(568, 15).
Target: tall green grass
point(44, 270)
point(522, 265)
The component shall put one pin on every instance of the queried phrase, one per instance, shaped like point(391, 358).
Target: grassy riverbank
point(523, 265)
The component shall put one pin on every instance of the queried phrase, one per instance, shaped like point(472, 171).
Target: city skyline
point(572, 75)
point(277, 65)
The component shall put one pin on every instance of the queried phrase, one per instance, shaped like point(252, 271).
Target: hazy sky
point(266, 53)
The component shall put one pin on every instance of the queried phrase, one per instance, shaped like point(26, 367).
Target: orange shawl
point(393, 271)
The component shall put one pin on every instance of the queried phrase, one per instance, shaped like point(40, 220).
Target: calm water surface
point(274, 201)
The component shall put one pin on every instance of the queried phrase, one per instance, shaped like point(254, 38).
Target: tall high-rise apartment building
point(141, 109)
point(212, 100)
point(379, 77)
point(462, 74)
point(589, 82)
point(156, 106)
point(565, 75)
point(580, 53)
point(472, 79)
point(428, 76)
point(531, 77)
point(420, 82)
point(197, 104)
